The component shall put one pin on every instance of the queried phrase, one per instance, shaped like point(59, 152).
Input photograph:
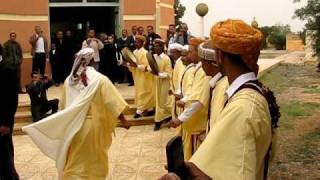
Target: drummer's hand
point(169, 176)
point(181, 104)
point(142, 68)
point(163, 75)
point(175, 122)
point(123, 121)
point(178, 96)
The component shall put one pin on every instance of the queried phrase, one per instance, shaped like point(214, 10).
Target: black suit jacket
point(150, 39)
point(131, 43)
point(8, 96)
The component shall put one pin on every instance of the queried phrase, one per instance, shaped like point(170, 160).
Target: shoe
point(167, 119)
point(130, 84)
point(149, 113)
point(22, 92)
point(136, 116)
point(157, 126)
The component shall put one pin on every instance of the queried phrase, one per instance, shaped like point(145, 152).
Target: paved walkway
point(136, 154)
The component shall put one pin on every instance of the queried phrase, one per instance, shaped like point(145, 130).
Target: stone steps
point(23, 116)
point(24, 119)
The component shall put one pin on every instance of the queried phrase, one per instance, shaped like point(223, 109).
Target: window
point(66, 1)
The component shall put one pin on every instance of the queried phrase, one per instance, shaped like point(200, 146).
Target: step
point(149, 120)
point(25, 106)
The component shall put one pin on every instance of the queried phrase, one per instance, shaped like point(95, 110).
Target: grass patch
point(294, 110)
point(312, 90)
point(285, 76)
point(307, 151)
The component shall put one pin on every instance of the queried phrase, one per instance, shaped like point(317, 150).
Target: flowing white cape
point(54, 134)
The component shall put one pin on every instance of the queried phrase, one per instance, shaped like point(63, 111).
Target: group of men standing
point(208, 90)
point(227, 119)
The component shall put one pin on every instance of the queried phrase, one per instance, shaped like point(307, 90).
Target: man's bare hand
point(180, 104)
point(195, 173)
point(170, 176)
point(174, 123)
point(4, 130)
point(124, 122)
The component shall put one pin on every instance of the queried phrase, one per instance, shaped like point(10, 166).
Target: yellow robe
point(87, 158)
point(177, 73)
point(163, 100)
point(197, 123)
point(217, 100)
point(143, 82)
point(236, 145)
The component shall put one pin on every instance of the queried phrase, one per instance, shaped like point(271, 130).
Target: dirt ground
point(297, 88)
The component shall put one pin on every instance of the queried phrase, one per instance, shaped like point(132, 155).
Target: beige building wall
point(294, 42)
point(158, 13)
point(21, 17)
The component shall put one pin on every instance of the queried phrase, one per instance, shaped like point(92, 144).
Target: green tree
point(277, 37)
point(266, 30)
point(179, 10)
point(311, 14)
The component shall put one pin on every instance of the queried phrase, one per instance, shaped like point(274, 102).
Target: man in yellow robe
point(194, 118)
point(163, 83)
point(239, 142)
point(144, 81)
point(79, 136)
point(218, 82)
point(175, 53)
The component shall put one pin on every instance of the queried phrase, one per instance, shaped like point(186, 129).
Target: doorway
point(80, 19)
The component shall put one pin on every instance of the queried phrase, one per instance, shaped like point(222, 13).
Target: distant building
point(108, 16)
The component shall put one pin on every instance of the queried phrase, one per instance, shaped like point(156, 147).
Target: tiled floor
point(136, 154)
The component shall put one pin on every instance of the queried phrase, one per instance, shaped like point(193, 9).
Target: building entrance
point(80, 19)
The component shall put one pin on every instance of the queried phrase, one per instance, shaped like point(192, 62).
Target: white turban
point(175, 46)
point(83, 59)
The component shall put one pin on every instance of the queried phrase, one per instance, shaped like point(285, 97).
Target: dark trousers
point(56, 72)
point(39, 63)
point(129, 76)
point(40, 111)
point(7, 169)
point(19, 78)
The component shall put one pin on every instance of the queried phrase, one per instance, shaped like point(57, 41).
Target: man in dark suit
point(131, 40)
point(40, 105)
point(151, 37)
point(131, 44)
point(8, 108)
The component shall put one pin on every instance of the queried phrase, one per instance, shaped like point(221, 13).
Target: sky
point(267, 13)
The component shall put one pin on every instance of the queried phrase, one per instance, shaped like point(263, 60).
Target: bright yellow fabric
point(200, 92)
point(196, 124)
point(163, 100)
point(237, 143)
point(218, 99)
point(144, 83)
point(87, 158)
point(177, 73)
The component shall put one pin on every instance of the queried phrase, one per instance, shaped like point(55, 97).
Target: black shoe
point(131, 84)
point(136, 116)
point(167, 119)
point(157, 126)
point(22, 92)
point(149, 113)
